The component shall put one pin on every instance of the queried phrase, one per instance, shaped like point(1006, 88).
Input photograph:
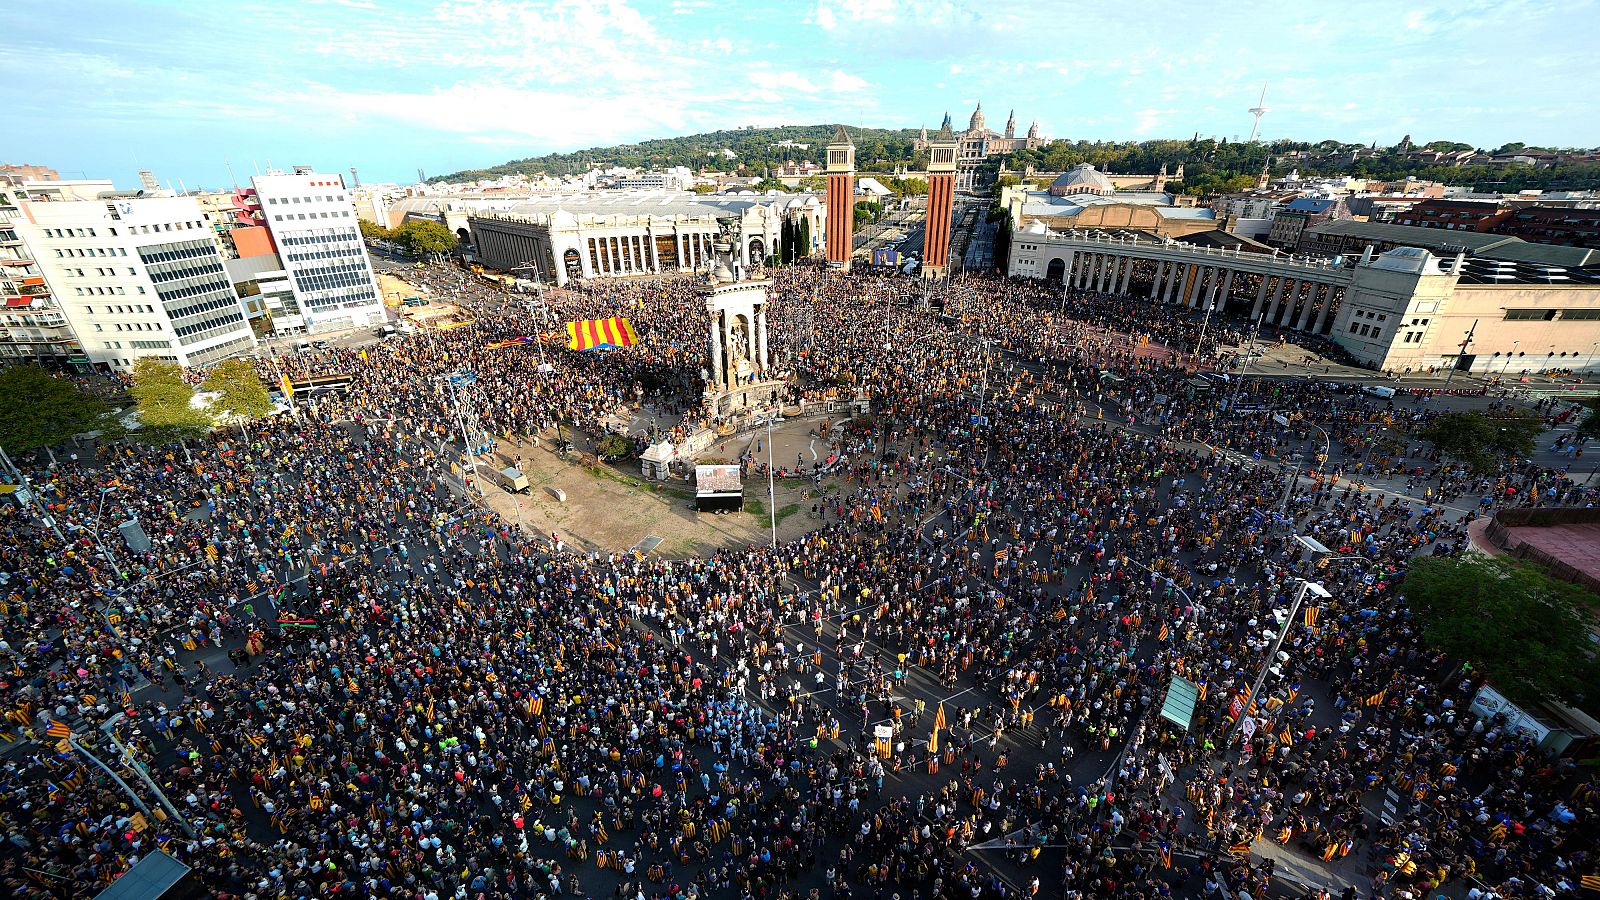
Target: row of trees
point(1210, 165)
point(794, 241)
point(422, 237)
point(39, 410)
point(755, 150)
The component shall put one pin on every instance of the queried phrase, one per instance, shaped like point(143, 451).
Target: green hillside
point(877, 150)
point(1210, 166)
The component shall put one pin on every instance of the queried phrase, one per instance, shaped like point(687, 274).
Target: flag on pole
point(288, 389)
point(594, 334)
point(1377, 698)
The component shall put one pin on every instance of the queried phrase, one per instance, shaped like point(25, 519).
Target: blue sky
point(181, 86)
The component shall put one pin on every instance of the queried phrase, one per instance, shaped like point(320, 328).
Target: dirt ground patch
point(611, 508)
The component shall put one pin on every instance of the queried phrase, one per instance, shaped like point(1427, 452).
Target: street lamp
point(1327, 449)
point(1513, 352)
point(1306, 586)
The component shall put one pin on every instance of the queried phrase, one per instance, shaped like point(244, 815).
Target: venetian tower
point(941, 199)
point(841, 172)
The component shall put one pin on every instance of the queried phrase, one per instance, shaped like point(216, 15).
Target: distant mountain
point(877, 149)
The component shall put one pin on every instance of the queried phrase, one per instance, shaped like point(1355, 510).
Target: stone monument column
point(716, 352)
point(760, 343)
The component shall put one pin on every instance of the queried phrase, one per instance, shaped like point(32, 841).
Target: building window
point(1584, 314)
point(1530, 315)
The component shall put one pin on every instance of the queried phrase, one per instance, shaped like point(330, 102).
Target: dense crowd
point(451, 708)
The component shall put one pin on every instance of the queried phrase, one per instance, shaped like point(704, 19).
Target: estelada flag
point(58, 729)
point(593, 334)
point(511, 342)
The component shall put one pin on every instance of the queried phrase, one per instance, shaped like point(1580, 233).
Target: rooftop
point(1492, 246)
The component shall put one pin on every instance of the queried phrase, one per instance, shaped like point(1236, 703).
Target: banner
point(595, 334)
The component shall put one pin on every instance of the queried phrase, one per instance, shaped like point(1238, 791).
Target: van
point(511, 480)
point(407, 327)
point(1378, 390)
point(300, 346)
point(386, 331)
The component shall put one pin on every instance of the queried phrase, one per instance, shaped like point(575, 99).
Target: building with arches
point(1402, 309)
point(635, 233)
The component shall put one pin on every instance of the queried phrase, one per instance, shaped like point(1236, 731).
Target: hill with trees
point(1210, 166)
point(755, 151)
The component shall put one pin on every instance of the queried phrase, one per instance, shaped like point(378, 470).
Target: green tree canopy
point(242, 395)
point(40, 410)
point(424, 236)
point(1590, 426)
point(163, 400)
point(374, 231)
point(1479, 441)
point(1526, 632)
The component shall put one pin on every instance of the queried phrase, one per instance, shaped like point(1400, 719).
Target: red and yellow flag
point(588, 334)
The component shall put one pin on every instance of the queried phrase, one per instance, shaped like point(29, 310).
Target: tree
point(786, 242)
point(1589, 427)
point(1479, 441)
point(425, 236)
point(372, 231)
point(812, 183)
point(163, 399)
point(771, 184)
point(1526, 632)
point(614, 446)
point(243, 396)
point(803, 241)
point(39, 410)
point(704, 189)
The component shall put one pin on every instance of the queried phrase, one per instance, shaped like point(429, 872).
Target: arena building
point(588, 235)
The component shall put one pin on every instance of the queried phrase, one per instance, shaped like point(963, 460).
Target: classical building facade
point(588, 236)
point(977, 143)
point(1402, 309)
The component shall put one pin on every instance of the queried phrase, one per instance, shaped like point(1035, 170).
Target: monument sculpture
point(740, 374)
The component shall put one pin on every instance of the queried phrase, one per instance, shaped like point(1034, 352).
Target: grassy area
point(756, 508)
point(787, 511)
point(655, 487)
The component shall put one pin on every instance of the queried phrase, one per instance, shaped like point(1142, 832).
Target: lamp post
point(1249, 356)
point(1327, 449)
point(139, 770)
point(1306, 586)
point(772, 488)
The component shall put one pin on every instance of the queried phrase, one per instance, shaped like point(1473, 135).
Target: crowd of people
point(421, 701)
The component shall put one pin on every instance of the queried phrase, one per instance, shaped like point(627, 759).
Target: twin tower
point(841, 171)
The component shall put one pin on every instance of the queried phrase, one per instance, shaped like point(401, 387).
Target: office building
point(312, 221)
point(136, 277)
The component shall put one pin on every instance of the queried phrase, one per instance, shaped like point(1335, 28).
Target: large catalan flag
point(595, 334)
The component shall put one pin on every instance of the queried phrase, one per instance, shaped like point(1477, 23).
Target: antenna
point(1259, 110)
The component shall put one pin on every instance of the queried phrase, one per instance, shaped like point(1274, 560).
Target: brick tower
point(841, 199)
point(941, 197)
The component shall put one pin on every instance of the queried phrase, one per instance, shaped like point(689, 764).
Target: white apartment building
point(312, 218)
point(136, 277)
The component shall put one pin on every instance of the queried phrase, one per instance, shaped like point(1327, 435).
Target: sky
point(187, 88)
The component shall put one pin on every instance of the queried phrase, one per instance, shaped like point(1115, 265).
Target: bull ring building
point(1403, 309)
point(635, 233)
